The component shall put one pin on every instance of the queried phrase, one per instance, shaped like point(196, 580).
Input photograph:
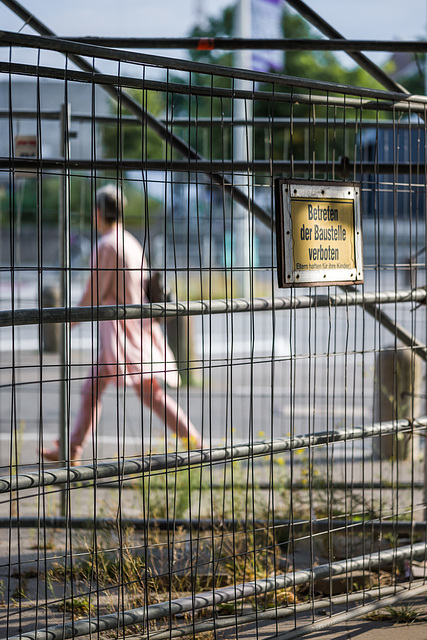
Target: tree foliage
point(302, 64)
point(135, 141)
point(139, 142)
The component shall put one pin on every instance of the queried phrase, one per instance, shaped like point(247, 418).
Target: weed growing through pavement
point(404, 614)
point(79, 607)
point(171, 495)
point(141, 569)
point(104, 565)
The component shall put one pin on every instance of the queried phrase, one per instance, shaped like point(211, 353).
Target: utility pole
point(242, 252)
point(199, 11)
point(64, 264)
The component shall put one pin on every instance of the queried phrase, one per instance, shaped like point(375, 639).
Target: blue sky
point(371, 19)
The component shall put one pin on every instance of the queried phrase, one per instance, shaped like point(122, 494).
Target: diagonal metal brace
point(182, 147)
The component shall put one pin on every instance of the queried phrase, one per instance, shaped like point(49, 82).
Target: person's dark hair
point(110, 201)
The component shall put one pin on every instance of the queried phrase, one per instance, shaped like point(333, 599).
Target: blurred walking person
point(131, 352)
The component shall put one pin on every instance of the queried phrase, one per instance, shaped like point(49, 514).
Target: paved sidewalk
point(24, 570)
point(20, 617)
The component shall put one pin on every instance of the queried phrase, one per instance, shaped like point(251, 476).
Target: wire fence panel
point(185, 446)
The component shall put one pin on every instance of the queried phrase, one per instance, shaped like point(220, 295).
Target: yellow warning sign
point(322, 234)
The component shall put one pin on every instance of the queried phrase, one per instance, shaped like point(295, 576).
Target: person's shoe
point(53, 454)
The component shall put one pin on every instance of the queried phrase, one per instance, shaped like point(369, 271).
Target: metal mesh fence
point(259, 455)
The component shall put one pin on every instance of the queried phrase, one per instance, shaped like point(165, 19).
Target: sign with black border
point(319, 235)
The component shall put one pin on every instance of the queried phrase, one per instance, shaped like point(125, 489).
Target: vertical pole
point(398, 391)
point(64, 260)
point(242, 150)
point(425, 485)
point(425, 261)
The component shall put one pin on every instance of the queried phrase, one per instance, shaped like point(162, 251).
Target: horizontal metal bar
point(406, 527)
point(350, 298)
point(413, 104)
point(225, 166)
point(222, 122)
point(196, 602)
point(316, 485)
point(55, 315)
point(307, 122)
point(396, 593)
point(228, 43)
point(357, 612)
point(175, 461)
point(92, 51)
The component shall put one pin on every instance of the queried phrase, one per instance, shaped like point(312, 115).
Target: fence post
point(50, 332)
point(64, 264)
point(397, 396)
point(179, 336)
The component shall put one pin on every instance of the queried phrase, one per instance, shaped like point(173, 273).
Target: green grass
point(404, 614)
